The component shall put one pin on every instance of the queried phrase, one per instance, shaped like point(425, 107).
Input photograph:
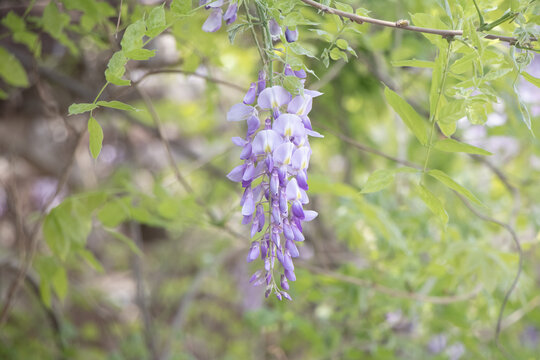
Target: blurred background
point(151, 268)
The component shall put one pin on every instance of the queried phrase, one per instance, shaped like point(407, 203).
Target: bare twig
point(441, 300)
point(403, 25)
point(190, 73)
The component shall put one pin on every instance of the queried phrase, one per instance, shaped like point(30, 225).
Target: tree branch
point(404, 25)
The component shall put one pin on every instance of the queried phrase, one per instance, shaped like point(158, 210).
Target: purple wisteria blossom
point(291, 35)
point(276, 157)
point(214, 20)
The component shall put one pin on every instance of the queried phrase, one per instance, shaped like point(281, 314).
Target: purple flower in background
point(274, 177)
point(275, 29)
point(214, 20)
point(291, 35)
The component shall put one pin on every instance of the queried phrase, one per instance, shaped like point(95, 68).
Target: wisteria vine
point(276, 156)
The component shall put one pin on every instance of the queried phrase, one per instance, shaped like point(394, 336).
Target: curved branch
point(403, 25)
point(441, 300)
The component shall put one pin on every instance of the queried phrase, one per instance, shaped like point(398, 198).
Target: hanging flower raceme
point(274, 176)
point(214, 20)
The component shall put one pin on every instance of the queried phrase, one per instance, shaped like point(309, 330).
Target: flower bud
point(251, 94)
point(284, 282)
point(291, 35)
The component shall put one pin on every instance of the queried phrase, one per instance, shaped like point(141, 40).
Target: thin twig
point(190, 73)
point(400, 25)
point(441, 300)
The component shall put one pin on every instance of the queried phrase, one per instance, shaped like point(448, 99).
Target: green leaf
point(433, 203)
point(181, 7)
point(96, 137)
point(140, 54)
point(533, 80)
point(11, 69)
point(75, 109)
point(378, 180)
point(451, 112)
point(451, 145)
point(116, 68)
point(336, 54)
point(14, 22)
point(413, 63)
point(292, 84)
point(117, 105)
point(156, 23)
point(54, 21)
point(342, 44)
point(113, 213)
point(133, 36)
point(126, 240)
point(447, 181)
point(436, 82)
point(344, 7)
point(299, 50)
point(409, 116)
point(60, 283)
point(54, 235)
point(91, 260)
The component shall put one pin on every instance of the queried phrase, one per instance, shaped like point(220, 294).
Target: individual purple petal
point(288, 71)
point(274, 183)
point(301, 74)
point(264, 249)
point(298, 210)
point(247, 219)
point(279, 255)
point(278, 295)
point(276, 216)
point(268, 278)
point(290, 275)
point(314, 134)
point(269, 163)
point(237, 173)
point(265, 142)
point(253, 124)
point(251, 94)
point(300, 105)
point(293, 191)
point(267, 293)
point(300, 158)
point(241, 112)
point(275, 29)
point(287, 230)
point(253, 251)
point(291, 35)
point(246, 152)
point(286, 295)
point(293, 250)
point(312, 93)
point(289, 125)
point(298, 236)
point(213, 4)
point(301, 179)
point(283, 153)
point(230, 14)
point(249, 174)
point(256, 275)
point(254, 226)
point(213, 23)
point(310, 215)
point(306, 122)
point(238, 141)
point(273, 97)
point(249, 205)
point(261, 82)
point(284, 282)
point(287, 261)
point(283, 202)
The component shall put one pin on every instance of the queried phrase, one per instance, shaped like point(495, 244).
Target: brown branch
point(403, 25)
point(441, 300)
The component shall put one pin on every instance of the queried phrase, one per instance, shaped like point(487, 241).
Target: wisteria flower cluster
point(276, 157)
point(214, 20)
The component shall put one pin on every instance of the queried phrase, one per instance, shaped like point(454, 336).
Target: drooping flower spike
point(274, 175)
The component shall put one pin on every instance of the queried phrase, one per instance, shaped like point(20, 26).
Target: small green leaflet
point(447, 181)
point(133, 36)
point(156, 21)
point(96, 137)
point(451, 145)
point(140, 54)
point(11, 69)
point(533, 80)
point(378, 180)
point(75, 109)
point(117, 105)
point(383, 178)
point(413, 63)
point(409, 116)
point(180, 7)
point(433, 203)
point(116, 69)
